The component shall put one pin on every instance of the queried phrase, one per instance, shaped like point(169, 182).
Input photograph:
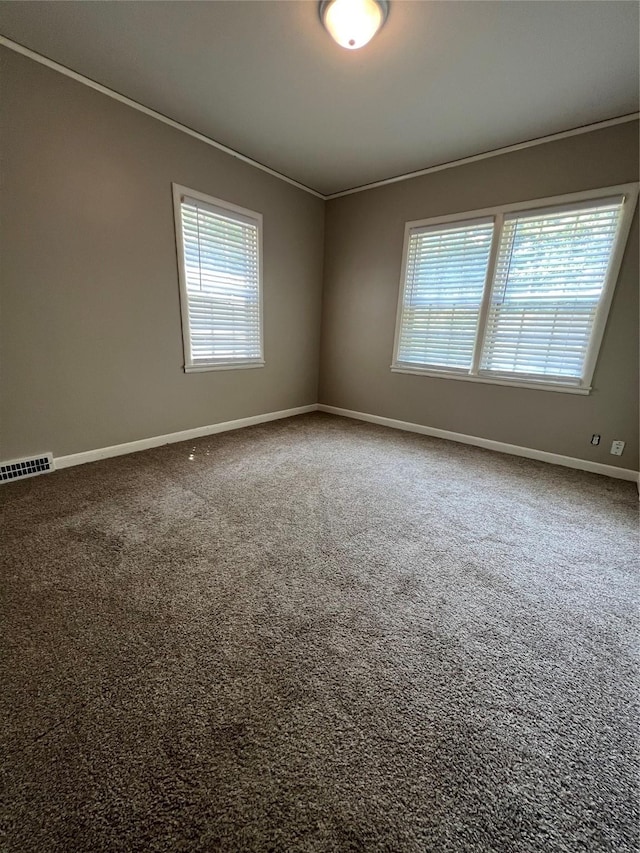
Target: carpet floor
point(319, 635)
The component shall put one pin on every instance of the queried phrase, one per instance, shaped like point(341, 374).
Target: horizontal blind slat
point(444, 281)
point(549, 276)
point(222, 282)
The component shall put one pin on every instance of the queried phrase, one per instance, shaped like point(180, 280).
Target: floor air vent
point(21, 468)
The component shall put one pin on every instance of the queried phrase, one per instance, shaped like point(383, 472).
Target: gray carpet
point(319, 635)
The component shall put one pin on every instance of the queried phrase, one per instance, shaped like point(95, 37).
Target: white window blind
point(446, 268)
point(549, 278)
point(221, 285)
point(518, 294)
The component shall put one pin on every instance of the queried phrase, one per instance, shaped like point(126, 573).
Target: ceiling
point(442, 80)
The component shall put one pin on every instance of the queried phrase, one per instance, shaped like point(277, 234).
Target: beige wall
point(90, 339)
point(90, 336)
point(363, 250)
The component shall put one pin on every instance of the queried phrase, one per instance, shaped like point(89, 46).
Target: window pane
point(445, 276)
point(550, 272)
point(222, 279)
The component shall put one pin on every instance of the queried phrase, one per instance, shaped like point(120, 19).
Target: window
point(515, 295)
point(219, 264)
point(444, 283)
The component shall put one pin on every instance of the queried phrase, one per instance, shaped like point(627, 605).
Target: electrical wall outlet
point(617, 447)
point(595, 439)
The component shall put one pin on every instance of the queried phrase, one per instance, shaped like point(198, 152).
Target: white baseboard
point(173, 437)
point(489, 444)
point(225, 426)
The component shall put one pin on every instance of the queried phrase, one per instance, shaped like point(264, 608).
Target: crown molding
point(495, 152)
point(111, 93)
point(450, 164)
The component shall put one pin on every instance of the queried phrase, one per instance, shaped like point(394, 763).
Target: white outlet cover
point(617, 447)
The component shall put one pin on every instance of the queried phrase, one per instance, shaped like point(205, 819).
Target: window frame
point(178, 191)
point(498, 212)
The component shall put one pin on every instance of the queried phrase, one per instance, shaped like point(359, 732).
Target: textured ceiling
point(442, 80)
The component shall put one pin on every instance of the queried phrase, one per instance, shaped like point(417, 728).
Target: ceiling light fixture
point(353, 23)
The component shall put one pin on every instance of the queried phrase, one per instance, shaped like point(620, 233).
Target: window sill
point(228, 365)
point(487, 380)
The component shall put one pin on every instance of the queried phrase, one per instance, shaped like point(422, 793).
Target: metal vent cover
point(30, 466)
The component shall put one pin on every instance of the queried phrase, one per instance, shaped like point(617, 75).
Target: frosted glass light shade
point(353, 23)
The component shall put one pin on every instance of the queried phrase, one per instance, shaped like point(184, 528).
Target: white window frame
point(630, 193)
point(233, 364)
